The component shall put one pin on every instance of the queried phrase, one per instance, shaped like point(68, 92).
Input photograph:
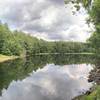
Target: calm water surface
point(45, 78)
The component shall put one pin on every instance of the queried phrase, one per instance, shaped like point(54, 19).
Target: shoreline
point(65, 53)
point(4, 58)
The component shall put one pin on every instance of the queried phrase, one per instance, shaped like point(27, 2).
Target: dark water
point(56, 77)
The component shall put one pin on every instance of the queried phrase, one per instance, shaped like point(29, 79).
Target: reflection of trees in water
point(20, 68)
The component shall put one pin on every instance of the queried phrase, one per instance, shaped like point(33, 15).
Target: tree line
point(20, 43)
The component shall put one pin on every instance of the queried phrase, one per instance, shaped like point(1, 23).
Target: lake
point(48, 77)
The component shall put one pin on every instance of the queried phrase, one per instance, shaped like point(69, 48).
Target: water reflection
point(53, 82)
point(20, 68)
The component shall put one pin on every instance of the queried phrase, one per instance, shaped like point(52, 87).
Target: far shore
point(4, 58)
point(84, 53)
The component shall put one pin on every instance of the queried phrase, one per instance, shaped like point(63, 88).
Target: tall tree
point(93, 9)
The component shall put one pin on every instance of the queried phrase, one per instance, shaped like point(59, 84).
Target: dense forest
point(19, 43)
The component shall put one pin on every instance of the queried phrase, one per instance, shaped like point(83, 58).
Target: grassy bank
point(5, 58)
point(95, 95)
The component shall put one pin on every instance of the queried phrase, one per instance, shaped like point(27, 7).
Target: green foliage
point(19, 43)
point(93, 9)
point(95, 19)
point(95, 95)
point(86, 3)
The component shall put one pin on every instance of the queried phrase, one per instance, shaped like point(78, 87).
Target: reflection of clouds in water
point(50, 83)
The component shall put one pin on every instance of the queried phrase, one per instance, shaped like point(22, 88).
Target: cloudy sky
point(46, 19)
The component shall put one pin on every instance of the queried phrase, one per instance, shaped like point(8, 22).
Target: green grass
point(95, 95)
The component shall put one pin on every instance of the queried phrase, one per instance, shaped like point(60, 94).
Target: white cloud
point(50, 83)
point(47, 19)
